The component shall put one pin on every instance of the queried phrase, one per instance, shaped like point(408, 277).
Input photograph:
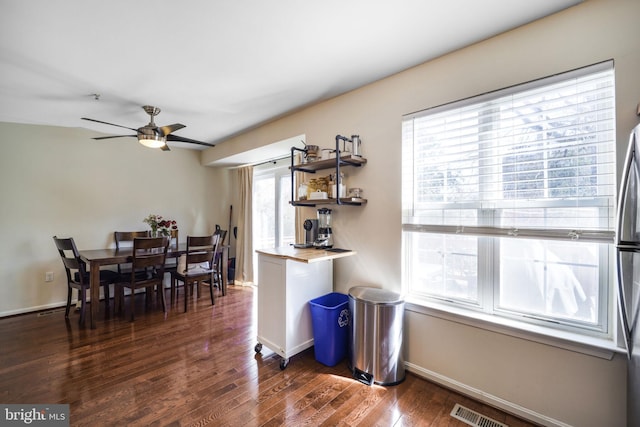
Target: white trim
point(607, 65)
point(238, 282)
point(596, 236)
point(483, 397)
point(35, 309)
point(592, 346)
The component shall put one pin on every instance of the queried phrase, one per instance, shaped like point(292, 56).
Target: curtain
point(244, 250)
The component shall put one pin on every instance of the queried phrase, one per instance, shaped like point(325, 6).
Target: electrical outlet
point(48, 276)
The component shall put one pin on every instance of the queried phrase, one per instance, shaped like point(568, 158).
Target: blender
point(325, 237)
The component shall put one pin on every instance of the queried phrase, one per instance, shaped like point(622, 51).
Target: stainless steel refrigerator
point(628, 260)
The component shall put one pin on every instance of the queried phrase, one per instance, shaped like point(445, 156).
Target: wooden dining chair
point(147, 270)
point(217, 260)
point(173, 236)
point(196, 266)
point(125, 239)
point(78, 276)
point(172, 263)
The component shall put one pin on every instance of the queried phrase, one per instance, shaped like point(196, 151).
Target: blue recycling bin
point(330, 323)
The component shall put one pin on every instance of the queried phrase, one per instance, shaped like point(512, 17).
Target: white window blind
point(534, 160)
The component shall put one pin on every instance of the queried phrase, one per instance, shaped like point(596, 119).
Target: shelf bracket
point(345, 139)
point(293, 150)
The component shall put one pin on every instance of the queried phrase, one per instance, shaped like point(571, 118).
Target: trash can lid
point(374, 295)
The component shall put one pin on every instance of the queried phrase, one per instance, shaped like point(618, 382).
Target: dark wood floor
point(199, 368)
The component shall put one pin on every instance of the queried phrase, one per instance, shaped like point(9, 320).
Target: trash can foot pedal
point(363, 377)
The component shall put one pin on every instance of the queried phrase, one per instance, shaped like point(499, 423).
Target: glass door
point(273, 215)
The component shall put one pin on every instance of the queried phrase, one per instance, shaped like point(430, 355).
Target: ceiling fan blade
point(110, 124)
point(115, 136)
point(165, 147)
point(166, 130)
point(191, 141)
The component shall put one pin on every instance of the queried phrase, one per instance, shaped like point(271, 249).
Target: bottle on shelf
point(302, 191)
point(312, 186)
point(336, 192)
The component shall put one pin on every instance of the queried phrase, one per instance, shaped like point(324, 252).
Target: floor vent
point(50, 312)
point(473, 418)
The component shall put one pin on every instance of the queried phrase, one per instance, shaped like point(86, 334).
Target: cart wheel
point(284, 363)
point(258, 348)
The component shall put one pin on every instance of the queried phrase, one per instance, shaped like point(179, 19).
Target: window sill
point(593, 346)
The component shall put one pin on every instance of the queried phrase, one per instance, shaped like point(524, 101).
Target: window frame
point(604, 335)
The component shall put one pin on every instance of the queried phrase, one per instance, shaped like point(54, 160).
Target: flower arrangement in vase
point(160, 226)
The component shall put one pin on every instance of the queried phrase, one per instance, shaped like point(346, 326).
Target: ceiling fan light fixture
point(152, 141)
point(151, 135)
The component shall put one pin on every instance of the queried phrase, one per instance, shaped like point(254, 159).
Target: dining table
point(97, 258)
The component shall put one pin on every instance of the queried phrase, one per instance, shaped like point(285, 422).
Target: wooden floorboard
point(197, 369)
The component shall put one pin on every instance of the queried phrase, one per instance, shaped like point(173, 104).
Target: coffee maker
point(310, 234)
point(325, 236)
point(310, 231)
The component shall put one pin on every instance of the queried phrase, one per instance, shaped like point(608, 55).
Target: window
point(273, 216)
point(508, 202)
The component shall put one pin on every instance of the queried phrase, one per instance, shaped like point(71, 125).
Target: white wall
point(57, 181)
point(551, 385)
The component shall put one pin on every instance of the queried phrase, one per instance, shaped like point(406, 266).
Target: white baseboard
point(483, 397)
point(74, 302)
point(33, 309)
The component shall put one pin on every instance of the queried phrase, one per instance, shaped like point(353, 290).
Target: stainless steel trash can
point(375, 338)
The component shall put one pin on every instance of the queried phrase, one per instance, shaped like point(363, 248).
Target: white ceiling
point(221, 67)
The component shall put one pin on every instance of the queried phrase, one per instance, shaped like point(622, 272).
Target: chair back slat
point(125, 238)
point(144, 261)
point(194, 242)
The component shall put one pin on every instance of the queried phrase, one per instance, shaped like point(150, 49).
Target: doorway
point(273, 215)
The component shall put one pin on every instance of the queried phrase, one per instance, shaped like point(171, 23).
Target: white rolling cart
point(288, 279)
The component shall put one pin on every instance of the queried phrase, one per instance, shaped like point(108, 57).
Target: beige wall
point(545, 383)
point(57, 181)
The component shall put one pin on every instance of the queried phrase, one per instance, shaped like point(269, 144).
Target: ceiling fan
point(151, 135)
